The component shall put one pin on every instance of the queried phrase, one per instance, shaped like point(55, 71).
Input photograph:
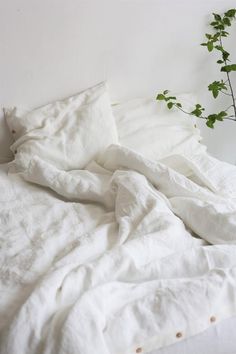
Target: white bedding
point(151, 129)
point(102, 260)
point(218, 339)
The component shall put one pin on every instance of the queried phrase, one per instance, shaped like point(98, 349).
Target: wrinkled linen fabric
point(67, 133)
point(123, 257)
point(148, 127)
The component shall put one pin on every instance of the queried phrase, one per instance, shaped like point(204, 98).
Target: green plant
point(214, 42)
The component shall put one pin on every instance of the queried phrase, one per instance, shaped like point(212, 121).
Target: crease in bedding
point(126, 256)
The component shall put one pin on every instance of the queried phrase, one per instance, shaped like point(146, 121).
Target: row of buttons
point(178, 334)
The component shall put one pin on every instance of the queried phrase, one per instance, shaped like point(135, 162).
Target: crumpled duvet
point(124, 257)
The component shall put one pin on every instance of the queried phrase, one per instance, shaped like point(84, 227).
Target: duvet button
point(139, 350)
point(179, 335)
point(212, 319)
point(13, 131)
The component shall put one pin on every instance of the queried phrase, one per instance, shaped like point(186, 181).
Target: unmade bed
point(110, 246)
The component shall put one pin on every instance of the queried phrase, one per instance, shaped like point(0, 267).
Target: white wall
point(54, 48)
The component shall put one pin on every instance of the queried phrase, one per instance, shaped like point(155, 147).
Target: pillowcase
point(151, 129)
point(67, 133)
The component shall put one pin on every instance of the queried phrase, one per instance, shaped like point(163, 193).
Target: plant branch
point(189, 113)
point(213, 42)
point(229, 82)
point(232, 93)
point(204, 117)
point(228, 108)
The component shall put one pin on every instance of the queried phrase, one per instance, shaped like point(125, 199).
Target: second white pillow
point(151, 129)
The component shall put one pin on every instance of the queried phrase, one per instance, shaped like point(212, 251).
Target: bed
point(114, 239)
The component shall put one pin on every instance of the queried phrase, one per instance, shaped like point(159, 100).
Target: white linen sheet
point(105, 260)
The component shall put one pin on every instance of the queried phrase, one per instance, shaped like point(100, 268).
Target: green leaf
point(160, 97)
point(220, 27)
point(196, 112)
point(179, 104)
point(204, 44)
point(226, 21)
point(170, 105)
point(219, 47)
point(214, 89)
point(217, 86)
point(165, 92)
point(230, 13)
point(224, 34)
point(210, 124)
point(216, 36)
point(210, 46)
point(216, 17)
point(208, 36)
point(228, 68)
point(225, 55)
point(220, 61)
point(170, 98)
point(221, 115)
point(212, 118)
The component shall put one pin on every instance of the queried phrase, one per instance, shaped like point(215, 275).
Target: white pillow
point(67, 133)
point(151, 129)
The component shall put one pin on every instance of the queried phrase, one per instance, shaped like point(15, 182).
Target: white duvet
point(124, 257)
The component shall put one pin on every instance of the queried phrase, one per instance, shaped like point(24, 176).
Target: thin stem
point(203, 117)
point(230, 118)
point(189, 113)
point(230, 85)
point(225, 93)
point(228, 108)
point(232, 93)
